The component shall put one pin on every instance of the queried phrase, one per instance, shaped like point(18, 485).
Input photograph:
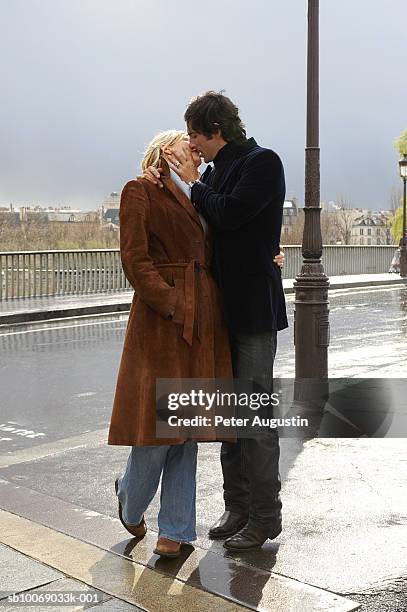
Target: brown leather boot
point(167, 548)
point(138, 531)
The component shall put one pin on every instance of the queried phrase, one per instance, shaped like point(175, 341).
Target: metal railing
point(81, 272)
point(72, 272)
point(344, 260)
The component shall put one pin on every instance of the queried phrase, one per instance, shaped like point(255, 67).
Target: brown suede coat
point(165, 256)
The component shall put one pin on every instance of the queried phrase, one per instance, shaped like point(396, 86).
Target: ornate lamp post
point(311, 328)
point(403, 247)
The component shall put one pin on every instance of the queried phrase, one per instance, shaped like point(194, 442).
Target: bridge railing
point(65, 272)
point(344, 260)
point(82, 272)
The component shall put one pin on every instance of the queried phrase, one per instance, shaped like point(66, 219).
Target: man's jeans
point(250, 466)
point(177, 463)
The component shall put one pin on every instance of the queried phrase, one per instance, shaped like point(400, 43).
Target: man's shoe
point(167, 548)
point(252, 537)
point(138, 531)
point(228, 524)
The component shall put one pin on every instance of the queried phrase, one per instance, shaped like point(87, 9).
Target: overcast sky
point(85, 84)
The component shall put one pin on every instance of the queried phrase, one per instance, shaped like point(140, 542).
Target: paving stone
point(63, 586)
point(19, 572)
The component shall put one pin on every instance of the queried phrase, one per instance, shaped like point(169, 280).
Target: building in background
point(110, 211)
point(372, 229)
point(51, 214)
point(69, 215)
point(112, 201)
point(290, 220)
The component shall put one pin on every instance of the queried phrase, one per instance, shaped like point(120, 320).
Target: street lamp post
point(311, 327)
point(403, 246)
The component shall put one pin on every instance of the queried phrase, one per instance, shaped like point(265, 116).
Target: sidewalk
point(56, 307)
point(345, 552)
point(25, 581)
point(98, 561)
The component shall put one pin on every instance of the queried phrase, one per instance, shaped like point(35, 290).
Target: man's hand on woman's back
point(280, 258)
point(153, 175)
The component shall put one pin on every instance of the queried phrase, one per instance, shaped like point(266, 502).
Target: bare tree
point(294, 235)
point(344, 219)
point(395, 199)
point(329, 227)
point(37, 233)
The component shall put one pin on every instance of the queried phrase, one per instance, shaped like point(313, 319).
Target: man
point(242, 198)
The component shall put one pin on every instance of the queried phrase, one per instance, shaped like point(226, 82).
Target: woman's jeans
point(177, 464)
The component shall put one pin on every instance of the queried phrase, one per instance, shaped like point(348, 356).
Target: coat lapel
point(181, 198)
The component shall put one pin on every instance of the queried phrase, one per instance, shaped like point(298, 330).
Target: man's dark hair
point(210, 112)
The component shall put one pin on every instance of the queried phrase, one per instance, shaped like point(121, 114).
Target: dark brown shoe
point(138, 531)
point(167, 548)
point(228, 524)
point(251, 537)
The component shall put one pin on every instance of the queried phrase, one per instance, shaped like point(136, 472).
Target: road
point(345, 527)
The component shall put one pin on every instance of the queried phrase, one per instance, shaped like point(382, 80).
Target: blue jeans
point(139, 484)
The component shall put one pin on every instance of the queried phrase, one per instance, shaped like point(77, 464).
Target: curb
point(61, 313)
point(25, 316)
point(356, 284)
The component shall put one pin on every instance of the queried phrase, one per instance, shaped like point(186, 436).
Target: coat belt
point(192, 287)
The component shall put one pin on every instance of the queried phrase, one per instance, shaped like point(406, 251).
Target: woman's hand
point(182, 162)
point(280, 258)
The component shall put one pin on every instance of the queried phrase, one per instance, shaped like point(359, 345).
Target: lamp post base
point(311, 322)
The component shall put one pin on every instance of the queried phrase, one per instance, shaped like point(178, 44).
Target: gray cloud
point(87, 83)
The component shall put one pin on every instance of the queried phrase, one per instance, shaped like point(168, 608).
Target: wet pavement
point(21, 310)
point(345, 519)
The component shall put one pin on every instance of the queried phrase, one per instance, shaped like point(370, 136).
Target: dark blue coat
point(242, 198)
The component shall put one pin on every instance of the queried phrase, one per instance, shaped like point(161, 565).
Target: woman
point(395, 262)
point(175, 330)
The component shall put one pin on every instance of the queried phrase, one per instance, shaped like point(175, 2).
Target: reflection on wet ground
point(368, 334)
point(69, 372)
point(358, 316)
point(67, 335)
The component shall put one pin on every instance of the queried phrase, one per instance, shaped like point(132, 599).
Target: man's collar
point(234, 149)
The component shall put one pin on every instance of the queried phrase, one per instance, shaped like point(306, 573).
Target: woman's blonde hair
point(152, 154)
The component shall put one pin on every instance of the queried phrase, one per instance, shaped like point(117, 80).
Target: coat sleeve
point(137, 264)
point(261, 181)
